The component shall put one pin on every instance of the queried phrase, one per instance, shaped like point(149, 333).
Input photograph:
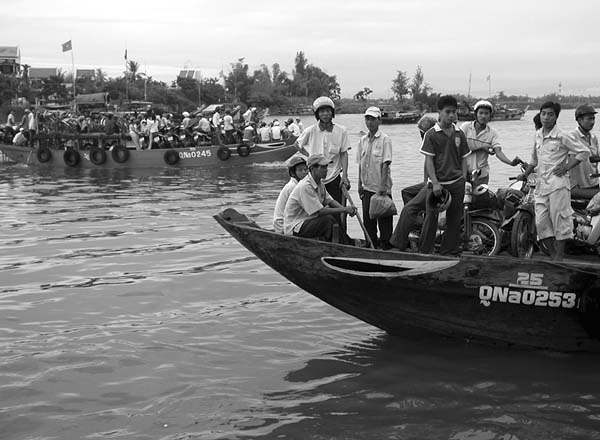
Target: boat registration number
point(194, 154)
point(529, 291)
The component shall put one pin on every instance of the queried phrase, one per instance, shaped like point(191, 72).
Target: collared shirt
point(294, 129)
point(580, 174)
point(204, 125)
point(228, 123)
point(328, 143)
point(372, 153)
point(552, 150)
point(284, 195)
point(307, 198)
point(265, 134)
point(480, 144)
point(447, 152)
point(216, 119)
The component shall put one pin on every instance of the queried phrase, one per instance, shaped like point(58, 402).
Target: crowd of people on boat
point(143, 127)
point(314, 201)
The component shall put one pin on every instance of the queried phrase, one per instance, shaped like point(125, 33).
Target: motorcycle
point(480, 222)
point(586, 225)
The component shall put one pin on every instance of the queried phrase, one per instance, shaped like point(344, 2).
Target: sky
point(527, 47)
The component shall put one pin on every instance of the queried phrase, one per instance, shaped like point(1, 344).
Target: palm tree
point(133, 67)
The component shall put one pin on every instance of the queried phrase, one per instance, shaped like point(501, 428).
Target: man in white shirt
point(331, 140)
point(293, 128)
point(228, 127)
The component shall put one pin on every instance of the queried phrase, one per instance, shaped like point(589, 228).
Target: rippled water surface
point(127, 312)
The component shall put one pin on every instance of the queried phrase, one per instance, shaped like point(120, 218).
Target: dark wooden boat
point(529, 303)
point(391, 117)
point(95, 151)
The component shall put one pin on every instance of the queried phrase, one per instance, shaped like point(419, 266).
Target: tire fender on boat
point(97, 155)
point(171, 157)
point(44, 154)
point(243, 150)
point(71, 157)
point(223, 153)
point(120, 154)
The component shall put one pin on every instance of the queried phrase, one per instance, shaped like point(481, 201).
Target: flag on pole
point(125, 55)
point(67, 46)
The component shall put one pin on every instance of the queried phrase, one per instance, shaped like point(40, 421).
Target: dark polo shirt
point(447, 152)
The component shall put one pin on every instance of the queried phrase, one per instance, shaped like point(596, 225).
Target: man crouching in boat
point(310, 212)
point(297, 170)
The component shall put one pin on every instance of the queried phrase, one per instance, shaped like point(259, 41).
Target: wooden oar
point(360, 222)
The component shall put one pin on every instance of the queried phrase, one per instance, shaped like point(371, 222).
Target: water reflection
point(388, 387)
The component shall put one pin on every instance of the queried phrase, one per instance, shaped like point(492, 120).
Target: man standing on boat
point(310, 212)
point(483, 141)
point(330, 140)
point(556, 153)
point(374, 158)
point(228, 127)
point(445, 149)
point(581, 183)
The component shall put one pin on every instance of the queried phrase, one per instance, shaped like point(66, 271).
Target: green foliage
point(400, 85)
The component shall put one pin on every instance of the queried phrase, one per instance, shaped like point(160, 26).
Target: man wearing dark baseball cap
point(310, 212)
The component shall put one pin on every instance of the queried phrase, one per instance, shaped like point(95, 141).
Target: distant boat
point(501, 113)
point(113, 151)
point(391, 117)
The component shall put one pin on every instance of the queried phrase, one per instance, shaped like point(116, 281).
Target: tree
point(419, 89)
point(237, 82)
point(53, 86)
point(363, 95)
point(400, 85)
point(133, 68)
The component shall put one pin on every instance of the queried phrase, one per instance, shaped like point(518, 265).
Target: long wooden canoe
point(530, 303)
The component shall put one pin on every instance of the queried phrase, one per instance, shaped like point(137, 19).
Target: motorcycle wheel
point(522, 236)
point(484, 238)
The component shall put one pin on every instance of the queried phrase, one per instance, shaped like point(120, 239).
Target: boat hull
point(494, 299)
point(186, 157)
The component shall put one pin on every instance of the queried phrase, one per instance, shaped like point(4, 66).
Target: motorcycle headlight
point(532, 179)
point(170, 138)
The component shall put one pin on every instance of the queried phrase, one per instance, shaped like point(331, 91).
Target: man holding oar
point(310, 212)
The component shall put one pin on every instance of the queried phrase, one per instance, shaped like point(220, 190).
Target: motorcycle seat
point(579, 203)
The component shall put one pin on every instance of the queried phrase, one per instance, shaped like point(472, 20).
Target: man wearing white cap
point(310, 212)
point(375, 156)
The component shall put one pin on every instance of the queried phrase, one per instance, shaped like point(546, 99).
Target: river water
point(127, 312)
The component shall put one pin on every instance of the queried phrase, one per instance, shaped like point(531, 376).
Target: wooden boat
point(89, 151)
point(390, 117)
point(528, 303)
point(501, 113)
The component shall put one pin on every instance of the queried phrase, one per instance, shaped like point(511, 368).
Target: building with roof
point(10, 60)
point(86, 74)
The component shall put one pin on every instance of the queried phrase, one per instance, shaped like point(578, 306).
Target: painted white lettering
point(485, 295)
point(500, 294)
point(528, 297)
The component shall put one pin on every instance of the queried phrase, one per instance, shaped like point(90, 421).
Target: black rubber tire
point(71, 157)
point(522, 236)
point(223, 153)
point(243, 150)
point(44, 154)
point(120, 154)
point(97, 155)
point(489, 234)
point(171, 157)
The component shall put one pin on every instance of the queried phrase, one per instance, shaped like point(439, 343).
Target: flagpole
point(126, 76)
point(74, 73)
point(490, 85)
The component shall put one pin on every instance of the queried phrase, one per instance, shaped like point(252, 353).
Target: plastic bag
point(381, 206)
